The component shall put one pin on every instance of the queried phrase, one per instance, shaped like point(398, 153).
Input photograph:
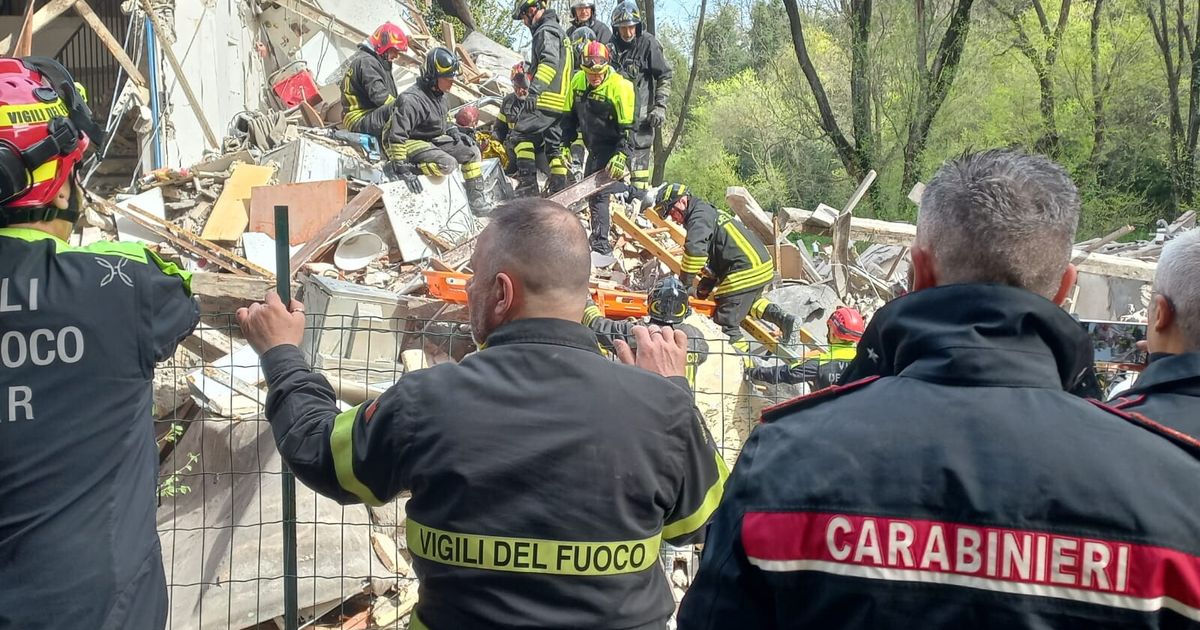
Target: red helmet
point(388, 37)
point(467, 116)
point(594, 57)
point(847, 324)
point(45, 128)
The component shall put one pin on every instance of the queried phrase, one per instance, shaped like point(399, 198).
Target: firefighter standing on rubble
point(418, 138)
point(533, 504)
point(82, 330)
point(735, 264)
point(583, 15)
point(603, 110)
point(512, 108)
point(666, 305)
point(846, 327)
point(639, 57)
point(368, 88)
point(549, 95)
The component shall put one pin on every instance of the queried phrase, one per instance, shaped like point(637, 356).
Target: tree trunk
point(846, 152)
point(1193, 117)
point(935, 85)
point(1098, 92)
point(1159, 25)
point(660, 158)
point(860, 86)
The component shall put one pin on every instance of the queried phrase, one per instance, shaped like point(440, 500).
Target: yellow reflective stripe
point(838, 353)
point(397, 152)
point(693, 264)
point(388, 100)
point(416, 145)
point(45, 172)
point(472, 169)
point(415, 623)
point(501, 117)
point(524, 150)
point(352, 117)
point(341, 444)
point(531, 555)
point(759, 307)
point(591, 314)
point(545, 73)
point(712, 499)
point(15, 115)
point(746, 279)
point(555, 102)
point(741, 241)
point(432, 169)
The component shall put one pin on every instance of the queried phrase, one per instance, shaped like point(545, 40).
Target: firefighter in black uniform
point(419, 139)
point(368, 88)
point(639, 56)
point(603, 110)
point(667, 305)
point(82, 330)
point(963, 486)
point(583, 15)
point(535, 503)
point(735, 263)
point(550, 91)
point(1168, 390)
point(845, 330)
point(512, 108)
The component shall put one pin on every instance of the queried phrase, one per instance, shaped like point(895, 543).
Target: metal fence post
point(283, 285)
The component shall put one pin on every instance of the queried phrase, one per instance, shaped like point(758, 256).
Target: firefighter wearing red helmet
point(82, 330)
point(368, 88)
point(512, 108)
point(846, 328)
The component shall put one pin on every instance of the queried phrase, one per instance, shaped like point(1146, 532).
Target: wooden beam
point(41, 18)
point(751, 214)
point(448, 36)
point(223, 285)
point(896, 233)
point(114, 48)
point(177, 68)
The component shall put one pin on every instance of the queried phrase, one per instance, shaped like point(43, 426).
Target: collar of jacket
point(555, 332)
point(365, 47)
point(549, 16)
point(696, 204)
point(1174, 373)
point(974, 334)
point(30, 235)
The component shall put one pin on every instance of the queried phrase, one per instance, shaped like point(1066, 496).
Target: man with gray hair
point(962, 485)
point(1168, 390)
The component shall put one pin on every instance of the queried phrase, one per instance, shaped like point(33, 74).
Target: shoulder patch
point(1189, 443)
point(821, 395)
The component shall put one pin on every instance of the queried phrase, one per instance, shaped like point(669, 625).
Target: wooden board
point(231, 214)
point(350, 213)
point(573, 194)
point(750, 213)
point(311, 206)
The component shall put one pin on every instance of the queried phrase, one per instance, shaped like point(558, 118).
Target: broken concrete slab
point(311, 206)
point(811, 304)
point(441, 208)
point(151, 202)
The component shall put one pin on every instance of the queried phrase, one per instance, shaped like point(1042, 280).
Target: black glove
point(407, 173)
point(657, 117)
point(705, 287)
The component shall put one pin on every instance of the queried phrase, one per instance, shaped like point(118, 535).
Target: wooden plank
point(311, 205)
point(448, 36)
point(349, 215)
point(114, 48)
point(435, 240)
point(41, 18)
point(231, 214)
point(843, 256)
point(190, 241)
point(389, 553)
point(573, 194)
point(225, 286)
point(181, 77)
point(673, 229)
point(750, 213)
point(24, 45)
point(209, 343)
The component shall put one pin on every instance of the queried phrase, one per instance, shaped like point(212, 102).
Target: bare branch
point(687, 92)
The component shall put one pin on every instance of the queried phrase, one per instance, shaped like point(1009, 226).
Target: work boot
point(786, 323)
point(527, 183)
point(556, 183)
point(478, 197)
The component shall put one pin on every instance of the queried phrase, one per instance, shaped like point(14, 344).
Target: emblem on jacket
point(114, 271)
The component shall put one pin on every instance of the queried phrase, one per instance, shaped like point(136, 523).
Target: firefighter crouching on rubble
point(639, 57)
point(735, 263)
point(966, 488)
point(418, 138)
point(845, 329)
point(551, 69)
point(667, 305)
point(533, 505)
point(1168, 390)
point(82, 329)
point(368, 88)
point(603, 111)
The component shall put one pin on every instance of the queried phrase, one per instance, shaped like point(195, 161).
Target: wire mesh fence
point(221, 504)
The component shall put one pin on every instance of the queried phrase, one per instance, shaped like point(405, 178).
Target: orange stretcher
point(452, 287)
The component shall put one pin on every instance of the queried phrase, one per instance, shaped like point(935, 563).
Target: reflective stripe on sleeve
point(712, 499)
point(531, 555)
point(341, 444)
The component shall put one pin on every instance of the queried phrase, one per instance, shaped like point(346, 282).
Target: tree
point(933, 82)
point(1043, 62)
point(1182, 52)
point(660, 157)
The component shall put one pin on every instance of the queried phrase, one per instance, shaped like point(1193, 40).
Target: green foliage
point(172, 484)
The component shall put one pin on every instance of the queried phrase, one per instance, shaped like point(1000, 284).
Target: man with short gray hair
point(961, 485)
point(1168, 390)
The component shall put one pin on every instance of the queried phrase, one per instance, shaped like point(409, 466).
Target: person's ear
point(1164, 314)
point(507, 296)
point(924, 276)
point(1070, 274)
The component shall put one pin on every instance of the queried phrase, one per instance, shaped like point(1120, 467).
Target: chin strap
point(14, 216)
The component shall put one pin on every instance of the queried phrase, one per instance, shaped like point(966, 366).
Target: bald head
point(541, 243)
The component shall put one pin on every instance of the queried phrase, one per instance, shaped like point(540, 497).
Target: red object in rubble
point(298, 88)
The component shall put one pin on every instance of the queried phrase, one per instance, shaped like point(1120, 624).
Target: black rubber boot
point(478, 198)
point(786, 323)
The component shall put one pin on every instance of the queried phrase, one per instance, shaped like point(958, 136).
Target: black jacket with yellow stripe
point(418, 118)
point(367, 85)
point(735, 256)
point(553, 65)
point(543, 476)
point(609, 330)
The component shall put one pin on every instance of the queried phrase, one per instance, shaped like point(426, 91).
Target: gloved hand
point(656, 117)
point(688, 280)
point(616, 165)
point(407, 173)
point(705, 287)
